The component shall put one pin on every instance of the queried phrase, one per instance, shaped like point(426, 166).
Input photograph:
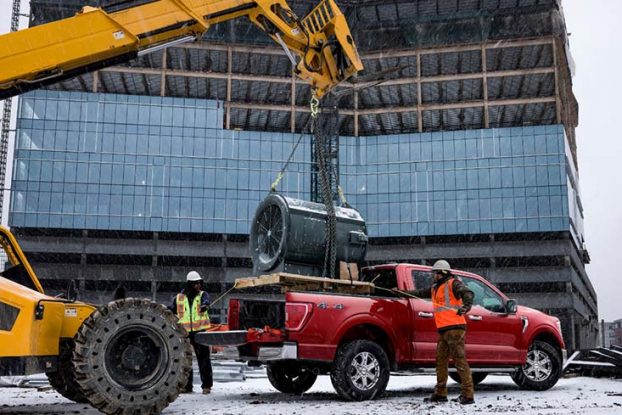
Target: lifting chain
point(330, 254)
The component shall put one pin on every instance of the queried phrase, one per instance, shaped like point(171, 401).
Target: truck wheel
point(542, 369)
point(478, 377)
point(63, 380)
point(132, 357)
point(360, 371)
point(290, 377)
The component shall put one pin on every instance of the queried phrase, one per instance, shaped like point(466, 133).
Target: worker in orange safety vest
point(451, 299)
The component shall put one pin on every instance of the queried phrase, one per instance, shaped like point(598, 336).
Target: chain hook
point(315, 105)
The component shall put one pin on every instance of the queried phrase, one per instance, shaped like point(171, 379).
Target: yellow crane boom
point(95, 38)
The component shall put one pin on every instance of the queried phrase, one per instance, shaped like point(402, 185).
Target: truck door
point(493, 336)
point(425, 335)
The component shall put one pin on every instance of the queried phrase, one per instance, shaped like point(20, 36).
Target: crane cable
point(315, 109)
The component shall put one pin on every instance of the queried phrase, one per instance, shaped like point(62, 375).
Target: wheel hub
point(135, 358)
point(364, 371)
point(538, 366)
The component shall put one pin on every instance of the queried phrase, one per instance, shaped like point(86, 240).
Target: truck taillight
point(296, 315)
point(233, 316)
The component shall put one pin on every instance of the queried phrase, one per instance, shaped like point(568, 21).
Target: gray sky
point(597, 51)
point(596, 48)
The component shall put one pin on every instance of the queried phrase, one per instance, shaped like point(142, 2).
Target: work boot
point(206, 391)
point(463, 400)
point(434, 398)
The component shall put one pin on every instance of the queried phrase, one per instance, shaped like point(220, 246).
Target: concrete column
point(292, 119)
point(356, 111)
point(419, 97)
point(163, 76)
point(558, 100)
point(485, 88)
point(229, 79)
point(154, 289)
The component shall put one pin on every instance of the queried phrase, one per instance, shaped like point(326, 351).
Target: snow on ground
point(496, 395)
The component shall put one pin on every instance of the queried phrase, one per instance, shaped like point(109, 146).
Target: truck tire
point(63, 380)
point(478, 377)
point(132, 357)
point(290, 377)
point(542, 369)
point(360, 371)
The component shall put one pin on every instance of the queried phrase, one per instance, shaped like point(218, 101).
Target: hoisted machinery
point(130, 356)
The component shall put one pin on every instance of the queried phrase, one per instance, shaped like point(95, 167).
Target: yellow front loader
point(129, 356)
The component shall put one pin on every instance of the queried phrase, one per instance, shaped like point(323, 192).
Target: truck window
point(484, 295)
point(422, 279)
point(384, 278)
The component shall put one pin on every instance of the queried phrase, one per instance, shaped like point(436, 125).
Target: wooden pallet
point(296, 282)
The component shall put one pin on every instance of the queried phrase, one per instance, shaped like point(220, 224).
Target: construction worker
point(191, 306)
point(452, 299)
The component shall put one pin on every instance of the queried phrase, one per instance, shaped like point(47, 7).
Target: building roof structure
point(445, 65)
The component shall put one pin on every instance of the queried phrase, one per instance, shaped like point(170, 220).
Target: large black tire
point(289, 376)
point(478, 377)
point(132, 357)
point(542, 369)
point(63, 380)
point(360, 371)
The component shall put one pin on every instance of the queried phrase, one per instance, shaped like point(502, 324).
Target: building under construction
point(456, 142)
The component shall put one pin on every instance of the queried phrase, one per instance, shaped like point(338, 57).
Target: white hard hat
point(441, 265)
point(193, 276)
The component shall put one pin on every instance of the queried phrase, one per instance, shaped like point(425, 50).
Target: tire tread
point(99, 389)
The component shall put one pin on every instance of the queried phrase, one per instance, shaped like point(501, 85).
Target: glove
point(463, 310)
point(203, 309)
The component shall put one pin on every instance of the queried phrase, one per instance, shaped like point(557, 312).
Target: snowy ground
point(497, 394)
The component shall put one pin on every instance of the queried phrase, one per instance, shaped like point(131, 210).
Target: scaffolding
point(6, 116)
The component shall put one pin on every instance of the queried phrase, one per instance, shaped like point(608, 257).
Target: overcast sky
point(597, 50)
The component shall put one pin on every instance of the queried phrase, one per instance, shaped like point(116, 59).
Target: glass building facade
point(143, 163)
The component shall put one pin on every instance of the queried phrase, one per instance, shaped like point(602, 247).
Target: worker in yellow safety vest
point(191, 306)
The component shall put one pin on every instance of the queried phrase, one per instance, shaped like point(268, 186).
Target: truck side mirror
point(511, 306)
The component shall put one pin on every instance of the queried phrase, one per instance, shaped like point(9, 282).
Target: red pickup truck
point(360, 338)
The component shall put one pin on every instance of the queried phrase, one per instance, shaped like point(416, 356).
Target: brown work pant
point(451, 344)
